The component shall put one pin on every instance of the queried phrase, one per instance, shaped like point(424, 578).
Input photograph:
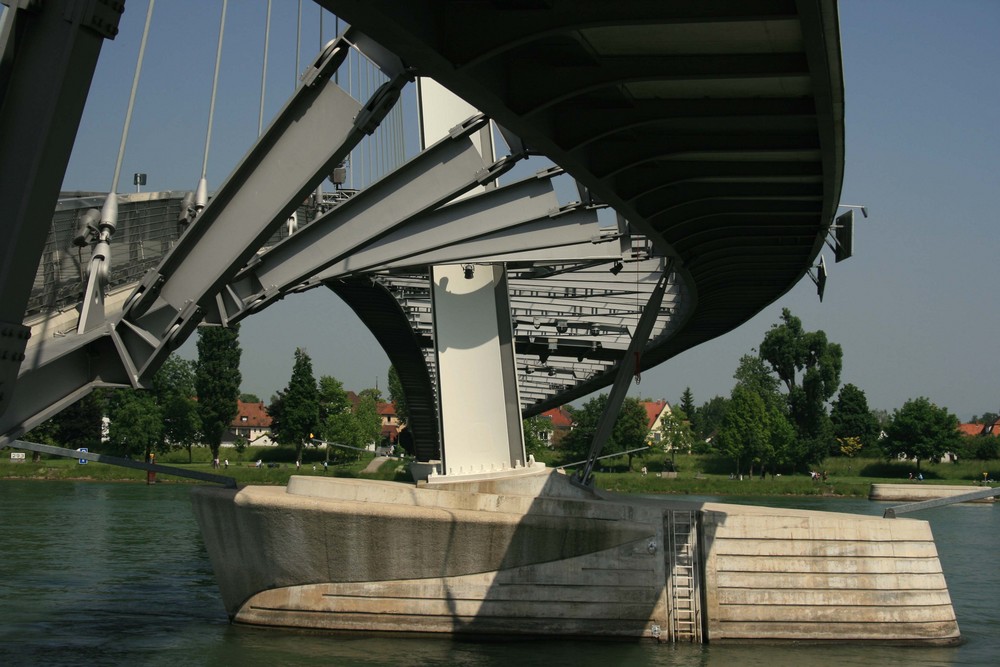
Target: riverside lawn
point(697, 474)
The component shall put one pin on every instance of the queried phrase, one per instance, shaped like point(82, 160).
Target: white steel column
point(477, 385)
point(478, 403)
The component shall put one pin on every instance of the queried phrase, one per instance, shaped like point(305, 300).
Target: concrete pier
point(915, 492)
point(546, 558)
point(803, 575)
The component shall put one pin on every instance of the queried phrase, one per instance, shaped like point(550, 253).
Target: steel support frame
point(287, 163)
point(172, 298)
point(478, 403)
point(448, 169)
point(48, 54)
point(626, 368)
point(567, 232)
point(449, 236)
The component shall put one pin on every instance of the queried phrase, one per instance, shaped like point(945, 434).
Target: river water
point(116, 574)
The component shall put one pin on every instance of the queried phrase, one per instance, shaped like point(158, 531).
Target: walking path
point(376, 463)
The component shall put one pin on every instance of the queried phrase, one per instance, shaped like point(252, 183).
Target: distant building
point(656, 412)
point(974, 429)
point(559, 424)
point(390, 422)
point(252, 423)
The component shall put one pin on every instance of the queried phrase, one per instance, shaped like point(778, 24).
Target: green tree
point(689, 408)
point(217, 381)
point(809, 366)
point(851, 419)
point(136, 427)
point(534, 427)
point(710, 417)
point(398, 396)
point(986, 418)
point(921, 430)
point(756, 431)
point(250, 398)
point(276, 411)
point(337, 423)
point(78, 425)
point(300, 413)
point(983, 447)
point(374, 393)
point(677, 436)
point(332, 398)
point(754, 375)
point(744, 435)
point(181, 423)
point(629, 431)
point(173, 389)
point(367, 419)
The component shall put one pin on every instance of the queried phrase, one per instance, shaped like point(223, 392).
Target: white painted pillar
point(478, 400)
point(478, 403)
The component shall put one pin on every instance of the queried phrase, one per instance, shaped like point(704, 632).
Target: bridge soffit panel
point(635, 97)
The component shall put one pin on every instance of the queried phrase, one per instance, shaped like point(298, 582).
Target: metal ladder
point(682, 564)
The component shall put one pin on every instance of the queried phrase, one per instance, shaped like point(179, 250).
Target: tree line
point(188, 403)
point(192, 403)
point(308, 411)
point(785, 412)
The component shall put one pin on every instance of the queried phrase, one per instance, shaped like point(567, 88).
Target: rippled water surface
point(116, 574)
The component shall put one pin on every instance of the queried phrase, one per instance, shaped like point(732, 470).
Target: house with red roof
point(974, 429)
point(656, 412)
point(252, 423)
point(390, 422)
point(559, 424)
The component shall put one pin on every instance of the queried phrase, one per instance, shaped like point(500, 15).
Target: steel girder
point(444, 171)
point(286, 164)
point(48, 53)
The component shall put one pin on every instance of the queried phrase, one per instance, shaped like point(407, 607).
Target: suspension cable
point(131, 98)
point(215, 87)
point(298, 46)
point(263, 73)
point(336, 33)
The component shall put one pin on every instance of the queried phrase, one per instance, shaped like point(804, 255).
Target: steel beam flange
point(13, 341)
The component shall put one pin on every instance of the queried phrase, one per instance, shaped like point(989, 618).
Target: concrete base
point(916, 492)
point(544, 557)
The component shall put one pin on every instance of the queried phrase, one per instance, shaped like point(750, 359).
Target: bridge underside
point(712, 133)
point(714, 136)
point(715, 130)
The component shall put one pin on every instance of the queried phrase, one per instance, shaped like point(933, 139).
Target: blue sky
point(915, 309)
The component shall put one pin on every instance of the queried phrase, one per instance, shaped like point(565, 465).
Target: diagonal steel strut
point(626, 367)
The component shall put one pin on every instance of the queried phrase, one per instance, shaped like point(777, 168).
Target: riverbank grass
point(693, 474)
